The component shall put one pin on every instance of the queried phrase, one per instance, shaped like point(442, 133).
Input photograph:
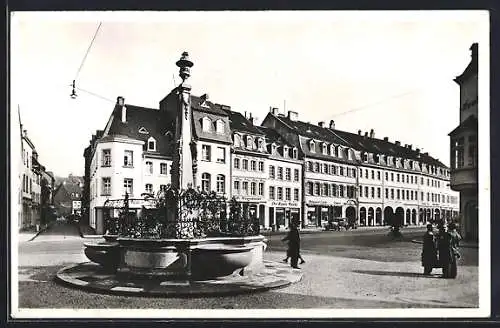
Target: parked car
point(336, 224)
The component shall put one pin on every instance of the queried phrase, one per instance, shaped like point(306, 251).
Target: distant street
point(362, 268)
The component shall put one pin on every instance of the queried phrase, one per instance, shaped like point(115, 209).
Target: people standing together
point(441, 250)
point(293, 252)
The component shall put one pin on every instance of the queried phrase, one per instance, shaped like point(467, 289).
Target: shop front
point(319, 212)
point(253, 206)
point(282, 213)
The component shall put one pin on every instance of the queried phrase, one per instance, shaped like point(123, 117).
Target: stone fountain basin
point(197, 259)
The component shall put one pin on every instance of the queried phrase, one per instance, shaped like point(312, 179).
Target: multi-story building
point(464, 148)
point(248, 173)
point(283, 187)
point(359, 176)
point(282, 171)
point(68, 197)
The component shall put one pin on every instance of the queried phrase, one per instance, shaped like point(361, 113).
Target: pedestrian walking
point(429, 250)
point(448, 242)
point(293, 251)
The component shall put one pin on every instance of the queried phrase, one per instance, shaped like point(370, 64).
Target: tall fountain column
point(185, 150)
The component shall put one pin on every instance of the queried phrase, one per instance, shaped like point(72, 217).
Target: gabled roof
point(210, 107)
point(273, 136)
point(471, 69)
point(239, 123)
point(470, 123)
point(153, 120)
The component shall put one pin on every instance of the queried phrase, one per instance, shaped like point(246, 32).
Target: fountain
point(182, 241)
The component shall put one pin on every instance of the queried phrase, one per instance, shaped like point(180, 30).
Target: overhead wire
point(88, 50)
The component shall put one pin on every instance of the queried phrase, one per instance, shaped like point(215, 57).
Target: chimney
point(250, 118)
point(386, 139)
point(332, 124)
point(359, 132)
point(293, 116)
point(473, 50)
point(120, 101)
point(417, 150)
point(321, 124)
point(410, 147)
point(273, 110)
point(372, 133)
point(25, 133)
point(426, 153)
point(246, 114)
point(366, 134)
point(203, 98)
point(398, 143)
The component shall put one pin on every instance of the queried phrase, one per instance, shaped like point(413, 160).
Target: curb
point(41, 230)
point(460, 246)
point(206, 288)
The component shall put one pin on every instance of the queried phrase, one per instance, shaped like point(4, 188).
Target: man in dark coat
point(293, 239)
point(429, 251)
point(448, 242)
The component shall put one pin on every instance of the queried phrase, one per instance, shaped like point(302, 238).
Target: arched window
point(312, 146)
point(151, 144)
point(295, 153)
point(260, 144)
point(221, 184)
point(323, 148)
point(205, 182)
point(285, 152)
point(249, 142)
point(205, 124)
point(219, 127)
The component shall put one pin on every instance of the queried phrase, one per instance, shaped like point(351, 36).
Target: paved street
point(354, 269)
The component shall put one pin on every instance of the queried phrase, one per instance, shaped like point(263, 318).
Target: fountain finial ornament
point(184, 65)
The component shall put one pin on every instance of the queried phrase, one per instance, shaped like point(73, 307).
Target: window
point(378, 192)
point(309, 166)
point(151, 144)
point(341, 191)
point(106, 157)
point(149, 167)
point(312, 147)
point(236, 187)
point(205, 124)
point(163, 168)
point(237, 140)
point(163, 187)
point(323, 149)
point(221, 155)
point(261, 166)
point(285, 152)
point(149, 188)
point(373, 175)
point(360, 173)
point(221, 184)
point(261, 189)
point(392, 193)
point(295, 153)
point(128, 158)
point(397, 177)
point(342, 171)
point(421, 180)
point(280, 193)
point(253, 165)
point(325, 168)
point(386, 193)
point(106, 186)
point(398, 194)
point(324, 189)
point(271, 192)
point(335, 170)
point(373, 192)
point(360, 191)
point(205, 182)
point(309, 188)
point(245, 187)
point(295, 175)
point(261, 144)
point(206, 153)
point(366, 174)
point(288, 174)
point(271, 172)
point(458, 153)
point(392, 176)
point(407, 194)
point(280, 173)
point(366, 192)
point(296, 194)
point(472, 152)
point(386, 176)
point(334, 190)
point(220, 127)
point(128, 186)
point(249, 142)
point(245, 164)
point(288, 194)
point(316, 189)
point(316, 167)
point(253, 188)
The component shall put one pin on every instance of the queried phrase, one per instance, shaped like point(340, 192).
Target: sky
point(393, 72)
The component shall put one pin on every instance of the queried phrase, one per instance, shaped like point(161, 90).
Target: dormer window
point(151, 144)
point(349, 154)
point(205, 124)
point(295, 153)
point(365, 157)
point(323, 148)
point(339, 152)
point(219, 127)
point(261, 144)
point(377, 158)
point(273, 149)
point(285, 151)
point(249, 142)
point(143, 130)
point(312, 146)
point(332, 150)
point(237, 140)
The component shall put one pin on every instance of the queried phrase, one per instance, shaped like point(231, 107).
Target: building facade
point(464, 148)
point(282, 171)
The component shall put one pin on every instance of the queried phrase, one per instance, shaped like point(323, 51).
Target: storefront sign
point(284, 204)
point(248, 198)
